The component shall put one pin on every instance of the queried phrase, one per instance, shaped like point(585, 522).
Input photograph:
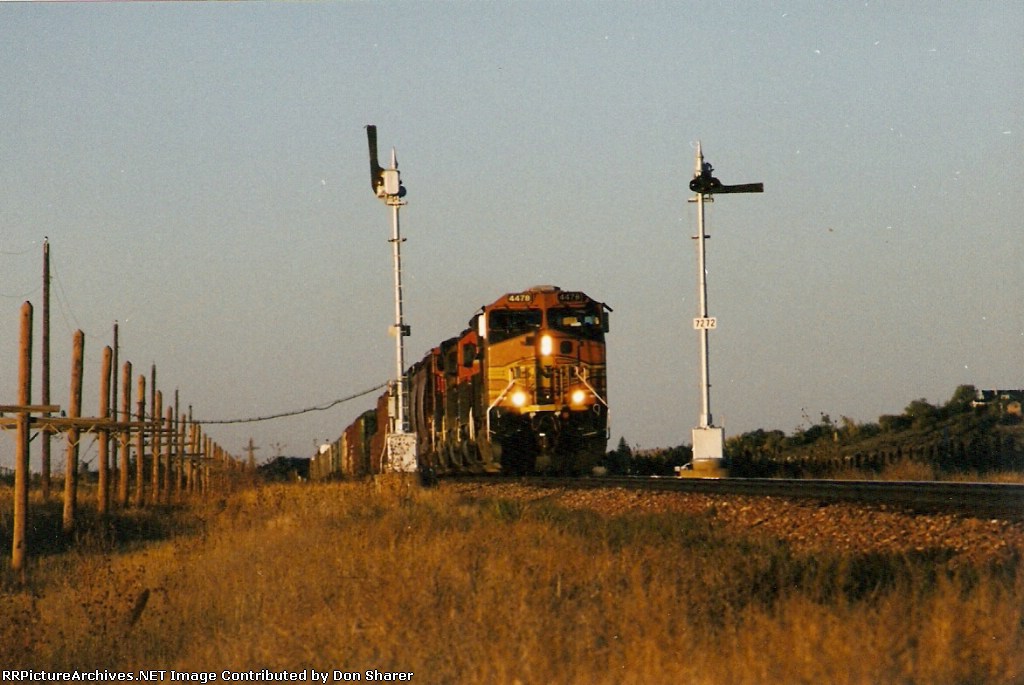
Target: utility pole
point(387, 185)
point(251, 450)
point(708, 439)
point(115, 348)
point(45, 371)
point(73, 434)
point(19, 540)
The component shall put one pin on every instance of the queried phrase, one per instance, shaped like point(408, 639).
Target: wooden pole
point(19, 545)
point(45, 370)
point(252, 455)
point(172, 467)
point(114, 470)
point(103, 439)
point(155, 409)
point(157, 443)
point(126, 416)
point(74, 412)
point(179, 480)
point(140, 448)
point(193, 447)
point(168, 453)
point(207, 458)
point(190, 475)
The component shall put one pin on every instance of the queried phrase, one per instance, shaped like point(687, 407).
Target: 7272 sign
point(705, 323)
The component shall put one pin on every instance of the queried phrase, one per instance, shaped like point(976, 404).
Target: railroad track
point(981, 500)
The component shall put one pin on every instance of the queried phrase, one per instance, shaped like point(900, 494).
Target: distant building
point(1008, 401)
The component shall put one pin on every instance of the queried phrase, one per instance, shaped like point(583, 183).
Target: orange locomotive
point(522, 390)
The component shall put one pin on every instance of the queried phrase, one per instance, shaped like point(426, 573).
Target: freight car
point(522, 390)
point(350, 456)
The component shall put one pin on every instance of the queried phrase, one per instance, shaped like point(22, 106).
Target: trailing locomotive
point(522, 390)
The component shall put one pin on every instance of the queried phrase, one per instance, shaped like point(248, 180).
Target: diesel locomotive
point(522, 390)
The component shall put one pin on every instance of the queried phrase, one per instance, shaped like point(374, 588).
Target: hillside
point(973, 435)
point(965, 436)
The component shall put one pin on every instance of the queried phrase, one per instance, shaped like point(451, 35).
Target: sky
point(201, 173)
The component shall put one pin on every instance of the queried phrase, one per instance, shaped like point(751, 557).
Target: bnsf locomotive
point(522, 390)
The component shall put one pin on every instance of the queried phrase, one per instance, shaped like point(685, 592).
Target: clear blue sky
point(201, 172)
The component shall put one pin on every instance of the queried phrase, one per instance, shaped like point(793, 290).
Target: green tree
point(618, 461)
point(850, 428)
point(922, 414)
point(891, 422)
point(961, 400)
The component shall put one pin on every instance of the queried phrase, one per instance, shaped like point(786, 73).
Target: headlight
point(519, 398)
point(547, 345)
point(578, 396)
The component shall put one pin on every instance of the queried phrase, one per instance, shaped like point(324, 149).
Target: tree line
point(961, 435)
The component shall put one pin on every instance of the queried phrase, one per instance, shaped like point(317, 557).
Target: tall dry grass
point(910, 470)
point(342, 577)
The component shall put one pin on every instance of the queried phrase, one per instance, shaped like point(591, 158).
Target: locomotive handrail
point(583, 378)
point(501, 396)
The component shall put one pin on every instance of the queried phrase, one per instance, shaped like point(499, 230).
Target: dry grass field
point(917, 471)
point(459, 589)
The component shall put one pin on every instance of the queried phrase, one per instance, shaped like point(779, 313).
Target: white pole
point(702, 295)
point(396, 251)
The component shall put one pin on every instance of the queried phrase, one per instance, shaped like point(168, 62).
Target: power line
point(22, 296)
point(10, 253)
point(63, 302)
point(322, 407)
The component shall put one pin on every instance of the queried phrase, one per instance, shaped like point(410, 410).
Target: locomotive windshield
point(585, 323)
point(508, 323)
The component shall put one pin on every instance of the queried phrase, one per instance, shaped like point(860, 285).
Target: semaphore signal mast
point(387, 185)
point(708, 439)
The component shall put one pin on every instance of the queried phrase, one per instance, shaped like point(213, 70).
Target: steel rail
point(979, 500)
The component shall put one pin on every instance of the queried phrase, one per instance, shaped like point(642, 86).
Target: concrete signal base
point(708, 450)
point(705, 468)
